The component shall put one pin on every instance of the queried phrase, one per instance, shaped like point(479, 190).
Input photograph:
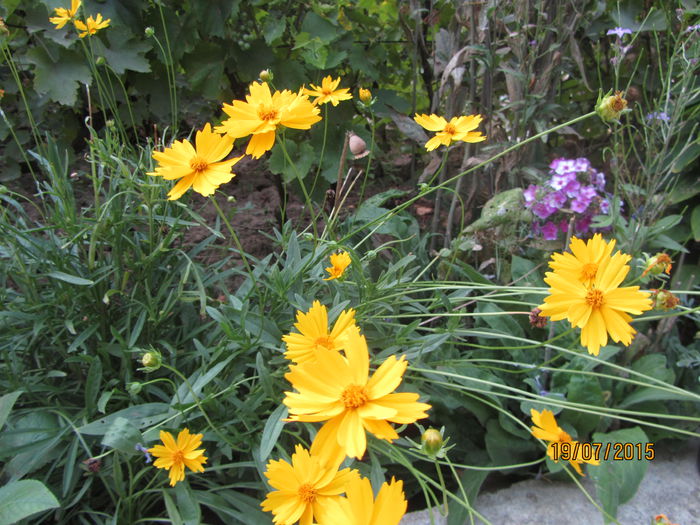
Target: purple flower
point(543, 210)
point(582, 164)
point(583, 199)
point(658, 115)
point(143, 451)
point(619, 31)
point(529, 194)
point(556, 199)
point(559, 181)
point(583, 224)
point(572, 188)
point(550, 231)
point(692, 28)
point(564, 225)
point(598, 180)
point(563, 166)
point(604, 206)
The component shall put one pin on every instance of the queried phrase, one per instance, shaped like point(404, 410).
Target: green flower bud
point(149, 31)
point(151, 361)
point(134, 388)
point(100, 61)
point(432, 442)
point(610, 107)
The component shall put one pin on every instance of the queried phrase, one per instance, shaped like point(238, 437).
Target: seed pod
point(358, 146)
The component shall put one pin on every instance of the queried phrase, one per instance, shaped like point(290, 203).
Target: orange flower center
point(307, 493)
point(595, 298)
point(267, 113)
point(198, 164)
point(327, 92)
point(449, 129)
point(324, 341)
point(178, 457)
point(354, 396)
point(618, 103)
point(588, 271)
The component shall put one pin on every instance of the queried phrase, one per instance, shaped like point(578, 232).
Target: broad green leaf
point(275, 24)
point(302, 156)
point(204, 68)
point(21, 499)
point(123, 436)
point(141, 416)
point(59, 79)
point(272, 430)
point(471, 482)
point(70, 278)
point(617, 481)
point(584, 390)
point(320, 28)
point(124, 53)
point(6, 403)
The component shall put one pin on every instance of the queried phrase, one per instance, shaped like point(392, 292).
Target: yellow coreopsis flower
point(359, 507)
point(338, 390)
point(313, 333)
point(585, 258)
point(305, 489)
point(176, 456)
point(263, 112)
point(198, 167)
point(546, 428)
point(339, 262)
point(91, 25)
point(458, 128)
point(63, 15)
point(328, 92)
point(599, 309)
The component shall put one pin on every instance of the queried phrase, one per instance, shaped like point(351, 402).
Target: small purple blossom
point(572, 188)
point(583, 224)
point(658, 115)
point(529, 194)
point(556, 199)
point(583, 199)
point(549, 231)
point(144, 451)
point(543, 210)
point(564, 225)
point(561, 180)
point(619, 31)
point(562, 166)
point(598, 180)
point(604, 206)
point(690, 29)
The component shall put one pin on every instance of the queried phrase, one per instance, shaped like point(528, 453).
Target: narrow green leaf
point(70, 278)
point(6, 403)
point(272, 430)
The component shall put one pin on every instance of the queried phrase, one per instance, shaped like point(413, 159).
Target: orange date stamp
point(596, 451)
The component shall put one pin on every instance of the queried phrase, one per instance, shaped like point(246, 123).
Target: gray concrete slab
point(671, 487)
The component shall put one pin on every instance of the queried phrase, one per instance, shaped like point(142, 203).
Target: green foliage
point(99, 269)
point(21, 499)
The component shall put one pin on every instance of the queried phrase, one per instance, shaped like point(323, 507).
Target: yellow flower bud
point(365, 95)
point(266, 75)
point(610, 107)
